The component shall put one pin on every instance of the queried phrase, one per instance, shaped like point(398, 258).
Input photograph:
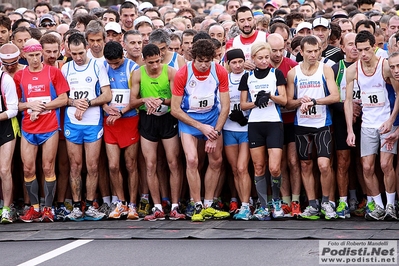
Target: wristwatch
point(163, 100)
point(219, 132)
point(314, 101)
point(120, 112)
point(88, 102)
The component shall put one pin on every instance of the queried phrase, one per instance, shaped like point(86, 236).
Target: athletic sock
point(174, 205)
point(295, 197)
point(369, 199)
point(344, 199)
point(245, 204)
point(49, 192)
point(208, 203)
point(233, 200)
point(261, 188)
point(287, 199)
point(352, 194)
point(378, 200)
point(107, 200)
point(33, 191)
point(276, 185)
point(314, 204)
point(325, 199)
point(77, 204)
point(332, 203)
point(114, 199)
point(390, 198)
point(159, 206)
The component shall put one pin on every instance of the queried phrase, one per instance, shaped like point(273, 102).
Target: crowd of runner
point(194, 110)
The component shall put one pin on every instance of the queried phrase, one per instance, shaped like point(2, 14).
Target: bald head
point(277, 50)
point(348, 37)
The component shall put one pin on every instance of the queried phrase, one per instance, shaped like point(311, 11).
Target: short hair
point(30, 11)
point(77, 39)
point(358, 3)
point(68, 33)
point(296, 41)
point(19, 21)
point(365, 36)
point(153, 10)
point(159, 36)
point(84, 18)
point(394, 54)
point(243, 9)
point(130, 32)
point(366, 23)
point(49, 39)
point(35, 33)
point(258, 46)
point(310, 39)
point(127, 5)
point(279, 25)
point(385, 19)
point(216, 43)
point(203, 48)
point(5, 21)
point(142, 23)
point(20, 29)
point(289, 18)
point(197, 19)
point(335, 31)
point(112, 11)
point(150, 50)
point(184, 10)
point(188, 32)
point(113, 50)
point(202, 35)
point(42, 4)
point(95, 27)
point(175, 36)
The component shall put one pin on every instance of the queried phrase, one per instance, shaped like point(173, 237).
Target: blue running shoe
point(243, 214)
point(261, 214)
point(190, 209)
point(61, 214)
point(343, 210)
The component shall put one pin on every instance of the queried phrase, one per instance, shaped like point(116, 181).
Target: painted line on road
point(55, 252)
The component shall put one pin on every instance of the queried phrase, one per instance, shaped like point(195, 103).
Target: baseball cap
point(145, 5)
point(271, 3)
point(113, 26)
point(321, 22)
point(47, 16)
point(141, 19)
point(303, 25)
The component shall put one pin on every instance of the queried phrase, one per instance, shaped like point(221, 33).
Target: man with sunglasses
point(47, 21)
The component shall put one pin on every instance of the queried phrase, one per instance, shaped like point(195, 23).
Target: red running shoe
point(31, 216)
point(47, 215)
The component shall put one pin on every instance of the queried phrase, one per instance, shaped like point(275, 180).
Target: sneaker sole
point(371, 218)
point(313, 217)
point(89, 218)
point(6, 221)
point(389, 217)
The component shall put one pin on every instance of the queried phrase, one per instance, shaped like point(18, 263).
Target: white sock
point(208, 203)
point(174, 205)
point(251, 201)
point(352, 194)
point(344, 199)
point(390, 197)
point(245, 204)
point(332, 203)
point(234, 199)
point(107, 200)
point(369, 199)
point(114, 199)
point(378, 200)
point(159, 206)
point(199, 203)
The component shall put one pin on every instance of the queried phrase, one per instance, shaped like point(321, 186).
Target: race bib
point(44, 99)
point(202, 104)
point(313, 112)
point(235, 105)
point(120, 98)
point(161, 110)
point(81, 92)
point(373, 98)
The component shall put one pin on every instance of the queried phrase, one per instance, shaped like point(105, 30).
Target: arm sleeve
point(10, 95)
point(243, 83)
point(223, 78)
point(179, 83)
point(280, 78)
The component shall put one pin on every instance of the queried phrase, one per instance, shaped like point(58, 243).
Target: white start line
point(56, 252)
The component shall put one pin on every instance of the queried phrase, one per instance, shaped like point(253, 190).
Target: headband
point(233, 54)
point(8, 56)
point(32, 48)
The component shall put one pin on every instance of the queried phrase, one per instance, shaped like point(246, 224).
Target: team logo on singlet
point(88, 79)
point(192, 83)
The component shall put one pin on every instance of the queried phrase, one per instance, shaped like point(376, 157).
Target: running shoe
point(390, 213)
point(93, 214)
point(361, 208)
point(68, 205)
point(190, 209)
point(377, 214)
point(353, 205)
point(286, 209)
point(47, 215)
point(166, 206)
point(132, 212)
point(31, 216)
point(61, 213)
point(295, 209)
point(144, 207)
point(244, 213)
point(310, 213)
point(119, 211)
point(176, 215)
point(106, 209)
point(212, 212)
point(75, 215)
point(277, 209)
point(261, 214)
point(370, 206)
point(197, 214)
point(343, 211)
point(157, 214)
point(6, 217)
point(328, 211)
point(218, 204)
point(233, 207)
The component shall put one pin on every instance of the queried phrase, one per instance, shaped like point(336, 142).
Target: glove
point(262, 99)
point(238, 116)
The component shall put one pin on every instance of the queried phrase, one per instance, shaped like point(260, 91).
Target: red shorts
point(124, 132)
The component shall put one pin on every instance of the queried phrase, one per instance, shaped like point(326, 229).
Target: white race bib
point(43, 99)
point(202, 104)
point(81, 92)
point(120, 98)
point(235, 105)
point(373, 98)
point(313, 112)
point(161, 110)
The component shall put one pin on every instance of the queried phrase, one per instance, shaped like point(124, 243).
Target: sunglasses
point(9, 64)
point(47, 24)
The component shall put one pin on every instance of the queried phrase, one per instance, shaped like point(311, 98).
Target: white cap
point(303, 25)
point(21, 10)
point(141, 19)
point(133, 2)
point(145, 5)
point(321, 22)
point(113, 26)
